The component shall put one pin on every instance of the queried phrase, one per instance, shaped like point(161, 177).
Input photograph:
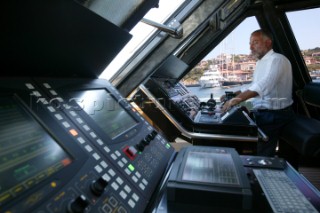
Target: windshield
point(141, 32)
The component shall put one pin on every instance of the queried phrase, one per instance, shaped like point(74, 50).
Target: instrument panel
point(76, 145)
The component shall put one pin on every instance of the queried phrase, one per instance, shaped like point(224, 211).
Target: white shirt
point(272, 80)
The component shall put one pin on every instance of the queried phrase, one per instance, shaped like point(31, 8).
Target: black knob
point(149, 138)
point(140, 146)
point(78, 205)
point(153, 134)
point(98, 186)
point(145, 142)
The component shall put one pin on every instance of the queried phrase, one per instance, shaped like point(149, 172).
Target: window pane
point(228, 67)
point(305, 27)
point(141, 32)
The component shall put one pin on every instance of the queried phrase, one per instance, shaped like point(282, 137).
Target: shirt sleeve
point(273, 72)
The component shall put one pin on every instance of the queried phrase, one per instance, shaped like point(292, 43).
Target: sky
point(304, 24)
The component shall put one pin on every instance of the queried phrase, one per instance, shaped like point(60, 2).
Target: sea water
point(204, 93)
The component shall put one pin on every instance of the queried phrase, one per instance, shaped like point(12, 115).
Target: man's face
point(259, 45)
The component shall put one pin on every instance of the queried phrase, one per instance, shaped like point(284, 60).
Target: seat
point(303, 134)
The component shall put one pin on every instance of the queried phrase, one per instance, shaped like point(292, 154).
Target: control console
point(76, 145)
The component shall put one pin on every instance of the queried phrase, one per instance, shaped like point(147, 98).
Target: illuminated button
point(119, 180)
point(104, 164)
point(106, 177)
point(118, 153)
point(124, 160)
point(163, 141)
point(73, 132)
point(67, 106)
point(51, 109)
point(5, 197)
point(127, 188)
point(100, 142)
point(88, 148)
point(135, 179)
point(138, 175)
point(121, 164)
point(142, 186)
point(127, 171)
point(115, 186)
point(131, 167)
point(113, 156)
point(131, 203)
point(58, 116)
point(168, 146)
point(43, 101)
point(20, 189)
point(81, 140)
point(111, 172)
point(93, 135)
point(66, 124)
point(123, 194)
point(106, 149)
point(131, 152)
point(36, 93)
point(79, 120)
point(73, 113)
point(29, 86)
point(53, 184)
point(53, 92)
point(135, 197)
point(144, 181)
point(59, 99)
point(96, 156)
point(86, 127)
point(46, 85)
point(98, 168)
point(30, 182)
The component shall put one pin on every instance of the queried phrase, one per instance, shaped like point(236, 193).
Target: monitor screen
point(105, 110)
point(28, 153)
point(210, 167)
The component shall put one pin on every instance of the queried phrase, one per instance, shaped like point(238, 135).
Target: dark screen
point(105, 110)
point(28, 154)
point(210, 167)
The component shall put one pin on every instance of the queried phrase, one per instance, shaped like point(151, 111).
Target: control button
point(148, 138)
point(145, 141)
point(140, 146)
point(98, 186)
point(78, 205)
point(130, 151)
point(153, 134)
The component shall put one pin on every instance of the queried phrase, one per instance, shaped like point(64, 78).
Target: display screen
point(28, 154)
point(105, 110)
point(210, 167)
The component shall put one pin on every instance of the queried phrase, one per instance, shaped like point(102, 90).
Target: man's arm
point(242, 96)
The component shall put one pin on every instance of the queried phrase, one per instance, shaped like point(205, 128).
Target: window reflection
point(307, 36)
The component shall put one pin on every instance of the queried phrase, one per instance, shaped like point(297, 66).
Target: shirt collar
point(270, 52)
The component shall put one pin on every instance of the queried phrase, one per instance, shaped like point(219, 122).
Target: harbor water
point(204, 93)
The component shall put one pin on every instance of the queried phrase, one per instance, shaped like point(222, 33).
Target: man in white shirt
point(271, 90)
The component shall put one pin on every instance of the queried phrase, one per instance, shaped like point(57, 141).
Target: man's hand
point(232, 102)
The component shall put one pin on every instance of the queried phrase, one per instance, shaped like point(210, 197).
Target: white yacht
point(211, 77)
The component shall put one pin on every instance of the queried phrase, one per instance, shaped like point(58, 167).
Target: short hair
point(264, 33)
